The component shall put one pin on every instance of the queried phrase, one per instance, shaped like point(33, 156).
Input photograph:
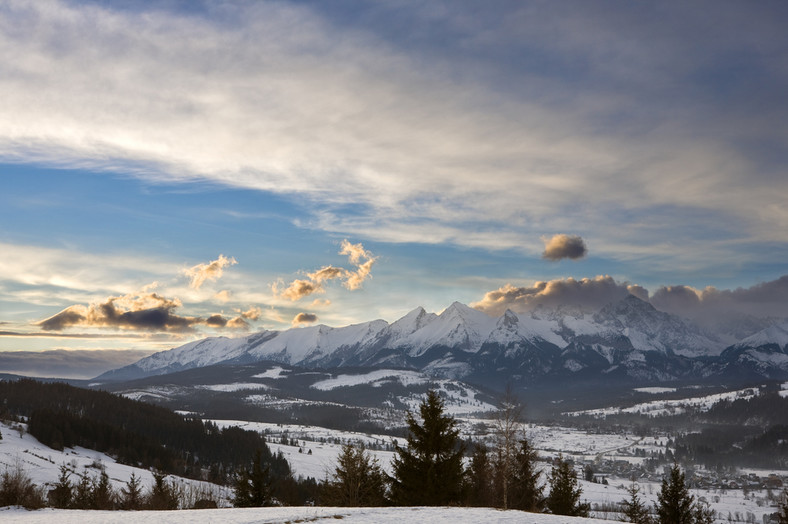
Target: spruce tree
point(428, 471)
point(633, 509)
point(525, 492)
point(103, 496)
point(63, 491)
point(674, 502)
point(357, 480)
point(131, 495)
point(83, 494)
point(564, 492)
point(479, 479)
point(163, 495)
point(253, 487)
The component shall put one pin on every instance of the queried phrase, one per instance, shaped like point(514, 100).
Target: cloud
point(763, 300)
point(253, 313)
point(564, 246)
point(585, 293)
point(210, 271)
point(362, 259)
point(144, 311)
point(766, 299)
point(223, 296)
point(304, 318)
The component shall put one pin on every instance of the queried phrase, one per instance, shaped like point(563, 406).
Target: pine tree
point(674, 503)
point(83, 494)
point(253, 486)
point(131, 494)
point(525, 492)
point(702, 513)
point(103, 496)
point(163, 495)
point(428, 472)
point(634, 509)
point(357, 480)
point(479, 479)
point(63, 491)
point(564, 492)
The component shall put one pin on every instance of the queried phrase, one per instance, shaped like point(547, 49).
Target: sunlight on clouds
point(210, 271)
point(304, 318)
point(353, 280)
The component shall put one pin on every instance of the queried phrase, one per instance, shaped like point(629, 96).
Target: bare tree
point(508, 433)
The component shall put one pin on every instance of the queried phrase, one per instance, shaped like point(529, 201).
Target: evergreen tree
point(103, 496)
point(634, 509)
point(163, 495)
point(674, 502)
point(131, 495)
point(83, 494)
point(564, 492)
point(63, 490)
point(702, 513)
point(479, 479)
point(428, 472)
point(357, 480)
point(253, 487)
point(525, 492)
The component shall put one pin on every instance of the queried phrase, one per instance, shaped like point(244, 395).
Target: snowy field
point(284, 515)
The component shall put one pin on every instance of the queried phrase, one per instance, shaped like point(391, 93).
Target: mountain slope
point(628, 340)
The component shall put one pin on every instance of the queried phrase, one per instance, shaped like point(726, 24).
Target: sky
point(173, 170)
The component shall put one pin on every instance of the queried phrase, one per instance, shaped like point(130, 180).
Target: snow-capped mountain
point(628, 339)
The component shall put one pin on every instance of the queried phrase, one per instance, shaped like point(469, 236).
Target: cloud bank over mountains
point(763, 300)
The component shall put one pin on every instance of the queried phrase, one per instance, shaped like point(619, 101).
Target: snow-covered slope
point(628, 338)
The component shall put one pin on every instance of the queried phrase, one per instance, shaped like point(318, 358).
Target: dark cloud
point(564, 246)
point(138, 312)
point(60, 363)
point(304, 318)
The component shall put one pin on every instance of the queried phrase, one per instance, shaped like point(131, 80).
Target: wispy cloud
point(427, 139)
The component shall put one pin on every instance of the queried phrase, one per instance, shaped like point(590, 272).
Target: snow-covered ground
point(438, 515)
point(42, 465)
point(658, 408)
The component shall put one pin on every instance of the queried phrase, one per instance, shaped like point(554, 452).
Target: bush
point(17, 489)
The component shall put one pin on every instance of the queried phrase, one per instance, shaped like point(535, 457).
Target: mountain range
point(625, 342)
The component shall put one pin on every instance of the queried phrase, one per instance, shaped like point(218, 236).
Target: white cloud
point(273, 97)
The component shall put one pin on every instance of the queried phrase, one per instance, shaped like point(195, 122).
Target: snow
point(774, 334)
point(655, 390)
point(657, 408)
point(374, 378)
point(275, 373)
point(239, 386)
point(42, 464)
point(437, 515)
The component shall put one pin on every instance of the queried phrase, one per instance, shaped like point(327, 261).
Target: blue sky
point(420, 153)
